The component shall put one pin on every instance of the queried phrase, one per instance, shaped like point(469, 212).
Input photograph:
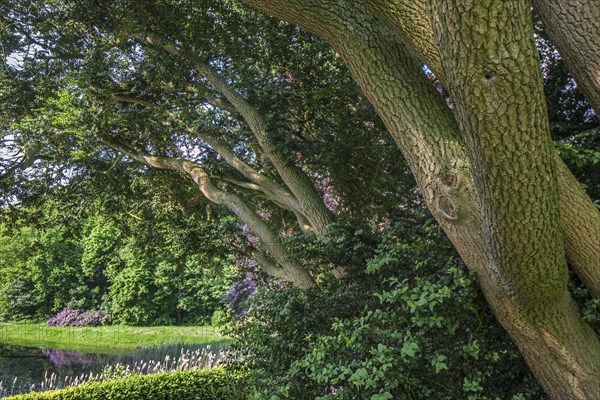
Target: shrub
point(238, 295)
point(210, 384)
point(69, 317)
point(411, 325)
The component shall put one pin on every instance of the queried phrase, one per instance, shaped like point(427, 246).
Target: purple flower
point(69, 317)
point(239, 293)
point(330, 198)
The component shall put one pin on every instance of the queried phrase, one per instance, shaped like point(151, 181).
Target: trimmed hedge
point(207, 384)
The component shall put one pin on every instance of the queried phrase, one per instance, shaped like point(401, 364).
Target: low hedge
point(207, 384)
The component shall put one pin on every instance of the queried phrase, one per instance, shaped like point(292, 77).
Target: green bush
point(411, 325)
point(208, 384)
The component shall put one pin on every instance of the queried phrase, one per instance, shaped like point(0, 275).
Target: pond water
point(30, 365)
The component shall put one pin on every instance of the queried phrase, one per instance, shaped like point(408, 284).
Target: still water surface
point(31, 365)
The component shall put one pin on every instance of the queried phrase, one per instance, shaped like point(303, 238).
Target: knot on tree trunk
point(445, 194)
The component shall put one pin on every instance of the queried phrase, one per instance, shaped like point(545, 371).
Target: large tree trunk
point(503, 119)
point(561, 351)
point(580, 219)
point(574, 27)
point(426, 133)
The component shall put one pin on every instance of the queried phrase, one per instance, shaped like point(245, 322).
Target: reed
point(187, 359)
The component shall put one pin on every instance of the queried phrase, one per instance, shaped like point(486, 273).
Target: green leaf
point(382, 396)
point(409, 348)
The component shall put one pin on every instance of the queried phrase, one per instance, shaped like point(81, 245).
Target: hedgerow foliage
point(209, 384)
point(410, 324)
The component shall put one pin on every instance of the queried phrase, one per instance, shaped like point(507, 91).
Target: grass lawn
point(104, 339)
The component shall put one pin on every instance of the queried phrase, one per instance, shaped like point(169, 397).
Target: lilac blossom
point(239, 293)
point(330, 198)
point(69, 317)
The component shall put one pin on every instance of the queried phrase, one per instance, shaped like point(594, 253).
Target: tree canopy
point(268, 120)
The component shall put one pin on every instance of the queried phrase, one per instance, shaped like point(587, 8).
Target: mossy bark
point(574, 28)
point(503, 118)
point(490, 193)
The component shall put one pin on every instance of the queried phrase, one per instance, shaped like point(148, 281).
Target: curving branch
point(309, 202)
point(288, 269)
point(271, 189)
point(573, 27)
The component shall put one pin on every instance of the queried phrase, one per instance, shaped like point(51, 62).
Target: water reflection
point(65, 358)
point(31, 366)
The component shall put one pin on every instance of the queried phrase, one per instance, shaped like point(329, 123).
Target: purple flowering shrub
point(238, 295)
point(69, 317)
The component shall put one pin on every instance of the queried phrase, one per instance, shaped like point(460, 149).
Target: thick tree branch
point(409, 19)
point(310, 204)
point(270, 188)
point(574, 28)
point(268, 266)
point(293, 272)
point(221, 103)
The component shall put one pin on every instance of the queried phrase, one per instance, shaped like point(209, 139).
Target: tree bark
point(574, 28)
point(426, 133)
point(503, 119)
point(410, 21)
point(502, 116)
point(580, 222)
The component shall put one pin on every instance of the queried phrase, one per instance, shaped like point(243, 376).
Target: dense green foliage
point(208, 384)
point(85, 226)
point(410, 325)
point(144, 263)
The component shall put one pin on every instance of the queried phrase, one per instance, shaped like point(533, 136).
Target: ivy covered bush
point(208, 384)
point(409, 324)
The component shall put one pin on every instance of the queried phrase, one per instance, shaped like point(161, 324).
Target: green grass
point(104, 339)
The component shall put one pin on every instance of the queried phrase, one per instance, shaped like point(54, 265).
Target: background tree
point(82, 247)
